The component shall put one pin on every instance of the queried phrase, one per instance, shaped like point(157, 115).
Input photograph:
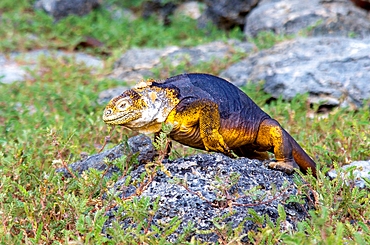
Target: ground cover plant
point(48, 120)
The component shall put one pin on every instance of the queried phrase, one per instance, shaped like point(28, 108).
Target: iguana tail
point(301, 158)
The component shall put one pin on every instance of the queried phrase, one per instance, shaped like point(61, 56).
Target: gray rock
point(119, 13)
point(161, 9)
point(62, 8)
point(35, 55)
point(86, 59)
point(361, 171)
point(207, 52)
point(192, 9)
point(136, 64)
point(106, 95)
point(2, 59)
point(200, 173)
point(141, 145)
point(211, 190)
point(315, 18)
point(16, 67)
point(227, 14)
point(142, 58)
point(11, 72)
point(334, 71)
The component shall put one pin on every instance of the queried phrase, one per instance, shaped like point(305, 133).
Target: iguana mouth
point(120, 118)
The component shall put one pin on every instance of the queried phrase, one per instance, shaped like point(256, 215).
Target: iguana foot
point(286, 167)
point(215, 142)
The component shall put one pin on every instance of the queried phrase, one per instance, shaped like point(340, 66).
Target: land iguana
point(209, 113)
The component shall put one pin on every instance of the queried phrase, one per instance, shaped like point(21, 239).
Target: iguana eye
point(108, 112)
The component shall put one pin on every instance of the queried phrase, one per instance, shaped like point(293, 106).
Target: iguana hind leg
point(271, 136)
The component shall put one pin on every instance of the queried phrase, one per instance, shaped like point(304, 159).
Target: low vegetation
point(48, 120)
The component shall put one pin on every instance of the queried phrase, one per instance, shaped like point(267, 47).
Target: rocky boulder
point(313, 18)
point(334, 71)
point(162, 9)
point(205, 187)
point(141, 145)
point(59, 9)
point(360, 170)
point(227, 14)
point(192, 9)
point(10, 71)
point(17, 66)
point(137, 63)
point(201, 189)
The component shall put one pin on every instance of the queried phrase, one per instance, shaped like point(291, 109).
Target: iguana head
point(124, 108)
point(142, 108)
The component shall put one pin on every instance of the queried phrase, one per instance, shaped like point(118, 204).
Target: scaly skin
point(207, 113)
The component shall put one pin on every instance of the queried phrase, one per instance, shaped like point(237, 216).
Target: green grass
point(24, 29)
point(49, 120)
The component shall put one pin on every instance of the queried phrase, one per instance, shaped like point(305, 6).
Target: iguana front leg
point(199, 118)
